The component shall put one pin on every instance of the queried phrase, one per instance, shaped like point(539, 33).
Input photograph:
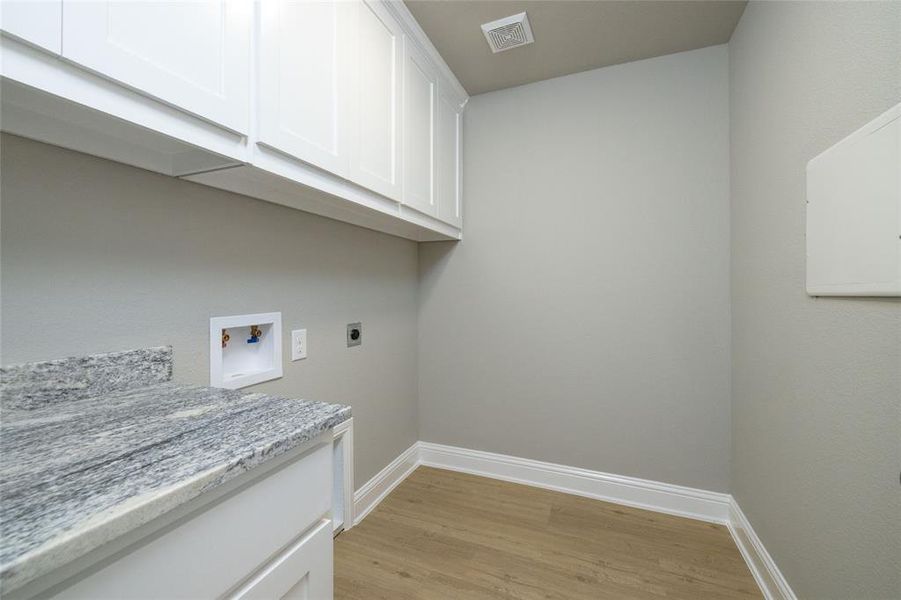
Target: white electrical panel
point(245, 349)
point(854, 213)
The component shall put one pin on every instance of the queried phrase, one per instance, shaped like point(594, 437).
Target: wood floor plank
point(442, 534)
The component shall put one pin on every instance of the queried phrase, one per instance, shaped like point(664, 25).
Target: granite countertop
point(90, 451)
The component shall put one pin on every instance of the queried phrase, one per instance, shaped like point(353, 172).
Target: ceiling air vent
point(508, 32)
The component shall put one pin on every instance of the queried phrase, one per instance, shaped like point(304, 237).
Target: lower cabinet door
point(302, 572)
point(213, 552)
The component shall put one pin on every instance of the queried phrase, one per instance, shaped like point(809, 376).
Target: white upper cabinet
point(376, 162)
point(305, 51)
point(342, 108)
point(39, 23)
point(193, 55)
point(420, 95)
point(449, 153)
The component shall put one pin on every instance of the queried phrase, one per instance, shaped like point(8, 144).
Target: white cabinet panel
point(303, 572)
point(854, 213)
point(341, 96)
point(419, 131)
point(377, 65)
point(304, 80)
point(213, 551)
point(37, 22)
point(449, 130)
point(193, 55)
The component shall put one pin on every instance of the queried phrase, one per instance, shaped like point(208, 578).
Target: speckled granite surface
point(76, 473)
point(32, 385)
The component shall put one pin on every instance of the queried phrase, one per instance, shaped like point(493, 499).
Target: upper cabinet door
point(419, 131)
point(305, 50)
point(376, 162)
point(39, 23)
point(193, 55)
point(449, 133)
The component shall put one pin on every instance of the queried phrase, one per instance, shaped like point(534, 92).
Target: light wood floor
point(442, 534)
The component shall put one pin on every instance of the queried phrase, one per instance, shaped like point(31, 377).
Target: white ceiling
point(570, 35)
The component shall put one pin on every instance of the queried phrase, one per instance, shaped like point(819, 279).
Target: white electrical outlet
point(298, 344)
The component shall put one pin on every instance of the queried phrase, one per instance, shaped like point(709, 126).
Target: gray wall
point(98, 256)
point(816, 382)
point(584, 318)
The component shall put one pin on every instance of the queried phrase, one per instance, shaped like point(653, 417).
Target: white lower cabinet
point(271, 539)
point(302, 572)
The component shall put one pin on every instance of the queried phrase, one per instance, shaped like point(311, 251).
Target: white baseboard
point(703, 505)
point(630, 491)
point(762, 566)
point(374, 491)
